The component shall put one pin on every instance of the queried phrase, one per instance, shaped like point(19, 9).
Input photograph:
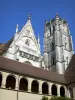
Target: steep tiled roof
point(28, 70)
point(70, 71)
point(4, 47)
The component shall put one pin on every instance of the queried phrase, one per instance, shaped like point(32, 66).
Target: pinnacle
point(29, 17)
point(57, 16)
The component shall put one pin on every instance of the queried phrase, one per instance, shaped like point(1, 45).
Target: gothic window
point(45, 88)
point(53, 60)
point(53, 29)
point(53, 46)
point(23, 84)
point(10, 82)
point(35, 86)
point(62, 91)
point(54, 90)
point(50, 31)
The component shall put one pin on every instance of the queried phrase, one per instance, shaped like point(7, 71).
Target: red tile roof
point(4, 47)
point(70, 71)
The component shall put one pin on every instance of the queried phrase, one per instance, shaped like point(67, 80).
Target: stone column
point(40, 87)
point(65, 91)
point(58, 90)
point(73, 92)
point(29, 85)
point(4, 80)
point(68, 93)
point(50, 85)
point(17, 83)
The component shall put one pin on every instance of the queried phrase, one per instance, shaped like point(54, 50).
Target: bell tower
point(58, 46)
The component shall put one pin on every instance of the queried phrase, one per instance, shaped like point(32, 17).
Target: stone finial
point(17, 28)
point(57, 16)
point(46, 21)
point(29, 17)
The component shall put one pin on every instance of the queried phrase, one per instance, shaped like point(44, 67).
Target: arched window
point(35, 86)
point(53, 60)
point(62, 91)
point(10, 82)
point(0, 80)
point(23, 84)
point(52, 46)
point(50, 31)
point(45, 88)
point(53, 29)
point(54, 90)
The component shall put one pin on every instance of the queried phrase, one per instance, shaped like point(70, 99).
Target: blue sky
point(14, 12)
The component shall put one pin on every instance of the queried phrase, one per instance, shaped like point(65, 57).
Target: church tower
point(58, 46)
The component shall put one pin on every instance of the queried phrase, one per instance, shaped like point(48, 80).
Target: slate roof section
point(21, 68)
point(70, 71)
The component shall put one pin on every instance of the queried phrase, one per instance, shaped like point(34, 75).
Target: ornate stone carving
point(28, 56)
point(27, 42)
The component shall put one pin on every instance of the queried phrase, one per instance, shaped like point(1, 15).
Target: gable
point(27, 32)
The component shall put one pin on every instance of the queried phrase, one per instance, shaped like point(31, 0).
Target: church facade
point(26, 74)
